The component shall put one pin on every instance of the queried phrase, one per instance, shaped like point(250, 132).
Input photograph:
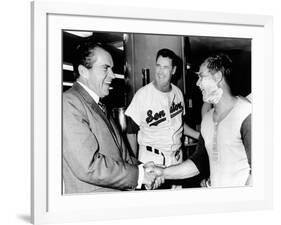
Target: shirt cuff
point(141, 175)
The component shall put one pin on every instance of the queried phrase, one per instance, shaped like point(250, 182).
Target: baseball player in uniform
point(159, 118)
point(157, 109)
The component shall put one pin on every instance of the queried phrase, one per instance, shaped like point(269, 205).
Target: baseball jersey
point(159, 117)
point(228, 160)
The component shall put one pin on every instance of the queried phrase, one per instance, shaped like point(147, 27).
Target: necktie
point(103, 107)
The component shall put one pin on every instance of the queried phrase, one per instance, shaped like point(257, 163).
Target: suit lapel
point(97, 110)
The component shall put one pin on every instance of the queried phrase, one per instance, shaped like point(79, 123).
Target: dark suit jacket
point(94, 155)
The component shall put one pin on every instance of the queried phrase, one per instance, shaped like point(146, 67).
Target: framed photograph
point(133, 38)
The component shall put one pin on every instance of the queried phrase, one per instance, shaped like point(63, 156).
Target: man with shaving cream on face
point(225, 138)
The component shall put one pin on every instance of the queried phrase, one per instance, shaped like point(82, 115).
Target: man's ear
point(174, 70)
point(218, 76)
point(83, 71)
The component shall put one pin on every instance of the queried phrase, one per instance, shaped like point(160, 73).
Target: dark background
point(131, 52)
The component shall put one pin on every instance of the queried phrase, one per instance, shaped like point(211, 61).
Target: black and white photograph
point(155, 111)
point(162, 113)
point(140, 112)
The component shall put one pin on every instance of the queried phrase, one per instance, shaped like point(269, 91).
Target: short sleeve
point(134, 109)
point(246, 137)
point(132, 127)
point(200, 158)
point(183, 105)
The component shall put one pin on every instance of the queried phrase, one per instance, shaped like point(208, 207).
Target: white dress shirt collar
point(90, 92)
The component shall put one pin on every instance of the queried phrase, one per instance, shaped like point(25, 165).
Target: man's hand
point(148, 179)
point(158, 170)
point(153, 175)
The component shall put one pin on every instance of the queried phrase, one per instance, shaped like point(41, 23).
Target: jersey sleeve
point(132, 127)
point(200, 158)
point(183, 105)
point(246, 137)
point(134, 109)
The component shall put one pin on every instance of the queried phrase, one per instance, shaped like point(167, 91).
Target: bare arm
point(181, 171)
point(188, 131)
point(197, 163)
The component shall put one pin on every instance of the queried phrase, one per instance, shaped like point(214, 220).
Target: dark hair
point(220, 62)
point(84, 53)
point(167, 53)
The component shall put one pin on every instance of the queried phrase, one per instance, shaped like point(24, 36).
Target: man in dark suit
point(95, 157)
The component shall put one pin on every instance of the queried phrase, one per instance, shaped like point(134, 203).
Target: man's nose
point(111, 74)
point(160, 69)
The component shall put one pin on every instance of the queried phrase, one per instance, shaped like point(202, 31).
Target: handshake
point(153, 175)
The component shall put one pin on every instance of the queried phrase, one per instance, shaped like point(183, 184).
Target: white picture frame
point(47, 203)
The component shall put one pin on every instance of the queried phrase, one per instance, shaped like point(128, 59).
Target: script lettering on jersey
point(175, 109)
point(158, 117)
